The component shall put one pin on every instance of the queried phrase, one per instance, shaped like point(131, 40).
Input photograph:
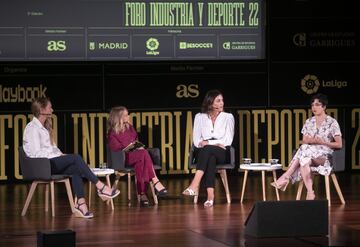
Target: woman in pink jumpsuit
point(120, 134)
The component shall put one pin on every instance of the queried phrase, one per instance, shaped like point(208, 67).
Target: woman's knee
point(78, 161)
point(206, 151)
point(318, 161)
point(74, 157)
point(78, 157)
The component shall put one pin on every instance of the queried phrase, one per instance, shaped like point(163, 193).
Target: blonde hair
point(36, 106)
point(115, 122)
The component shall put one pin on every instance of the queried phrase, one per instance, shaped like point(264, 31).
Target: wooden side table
point(262, 167)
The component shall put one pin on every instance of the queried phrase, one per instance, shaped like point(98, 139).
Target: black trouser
point(207, 158)
point(74, 165)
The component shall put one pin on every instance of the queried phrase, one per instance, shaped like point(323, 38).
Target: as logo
point(186, 91)
point(56, 45)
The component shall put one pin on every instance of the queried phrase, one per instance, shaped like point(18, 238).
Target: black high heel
point(160, 193)
point(105, 196)
point(79, 213)
point(144, 201)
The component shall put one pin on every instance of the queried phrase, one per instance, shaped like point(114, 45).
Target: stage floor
point(175, 221)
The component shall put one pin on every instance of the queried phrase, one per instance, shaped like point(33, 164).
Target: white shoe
point(190, 192)
point(209, 203)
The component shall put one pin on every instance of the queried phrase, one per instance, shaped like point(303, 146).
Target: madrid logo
point(310, 84)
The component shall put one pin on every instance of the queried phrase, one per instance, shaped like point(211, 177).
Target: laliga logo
point(299, 39)
point(310, 84)
point(152, 44)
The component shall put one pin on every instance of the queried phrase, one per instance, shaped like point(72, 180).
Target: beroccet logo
point(187, 45)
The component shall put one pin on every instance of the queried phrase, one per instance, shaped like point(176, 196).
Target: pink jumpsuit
point(139, 158)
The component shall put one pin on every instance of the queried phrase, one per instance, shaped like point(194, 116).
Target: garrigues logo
point(310, 84)
point(325, 39)
point(152, 45)
point(299, 39)
point(239, 45)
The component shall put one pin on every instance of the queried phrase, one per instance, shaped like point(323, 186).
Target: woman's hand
point(203, 144)
point(221, 145)
point(313, 140)
point(319, 141)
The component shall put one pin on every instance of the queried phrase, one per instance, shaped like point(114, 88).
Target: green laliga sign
point(152, 45)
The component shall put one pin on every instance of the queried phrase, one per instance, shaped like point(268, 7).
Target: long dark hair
point(209, 100)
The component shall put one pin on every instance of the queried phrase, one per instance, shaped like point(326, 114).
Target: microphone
point(46, 114)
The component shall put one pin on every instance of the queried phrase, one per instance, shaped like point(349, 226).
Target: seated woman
point(321, 135)
point(38, 142)
point(213, 131)
point(120, 134)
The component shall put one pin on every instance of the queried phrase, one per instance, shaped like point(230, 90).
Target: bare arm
point(308, 139)
point(336, 144)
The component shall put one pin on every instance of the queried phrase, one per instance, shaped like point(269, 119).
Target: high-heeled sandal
point(144, 201)
point(281, 187)
point(160, 193)
point(190, 192)
point(310, 195)
point(209, 203)
point(79, 213)
point(105, 196)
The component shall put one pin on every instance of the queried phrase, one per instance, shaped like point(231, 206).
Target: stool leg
point(337, 187)
point(89, 195)
point(109, 184)
point(263, 184)
point(52, 193)
point(69, 194)
point(226, 184)
point(46, 197)
point(327, 189)
point(276, 189)
point(129, 187)
point(153, 193)
point(29, 197)
point(244, 185)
